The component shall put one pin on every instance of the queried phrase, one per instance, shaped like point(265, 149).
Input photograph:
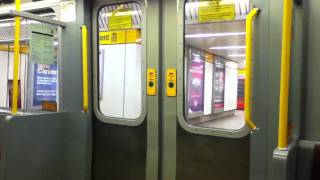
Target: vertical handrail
point(15, 94)
point(248, 75)
point(84, 31)
point(285, 74)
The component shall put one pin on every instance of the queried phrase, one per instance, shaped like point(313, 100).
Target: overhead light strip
point(227, 47)
point(215, 35)
point(237, 55)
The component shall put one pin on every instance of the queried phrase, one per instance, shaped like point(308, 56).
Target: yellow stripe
point(15, 93)
point(128, 36)
point(285, 74)
point(248, 81)
point(85, 68)
point(24, 49)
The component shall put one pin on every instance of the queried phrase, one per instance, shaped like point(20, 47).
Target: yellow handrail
point(285, 74)
point(15, 94)
point(248, 81)
point(85, 67)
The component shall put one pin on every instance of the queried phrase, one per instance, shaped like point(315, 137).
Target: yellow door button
point(151, 82)
point(171, 82)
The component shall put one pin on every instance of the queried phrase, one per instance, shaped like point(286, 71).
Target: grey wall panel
point(206, 157)
point(267, 64)
point(305, 159)
point(311, 81)
point(261, 97)
point(34, 147)
point(2, 142)
point(78, 147)
point(119, 152)
point(69, 136)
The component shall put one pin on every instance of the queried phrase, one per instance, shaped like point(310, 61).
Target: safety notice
point(120, 19)
point(213, 11)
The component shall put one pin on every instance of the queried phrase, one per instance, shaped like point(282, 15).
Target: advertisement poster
point(196, 83)
point(45, 84)
point(240, 98)
point(219, 81)
point(10, 91)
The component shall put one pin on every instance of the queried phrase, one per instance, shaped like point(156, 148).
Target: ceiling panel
point(205, 43)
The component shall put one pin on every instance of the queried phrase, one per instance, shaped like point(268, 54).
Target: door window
point(120, 61)
point(214, 63)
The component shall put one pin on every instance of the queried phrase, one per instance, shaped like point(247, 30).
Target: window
point(120, 61)
point(214, 63)
point(38, 65)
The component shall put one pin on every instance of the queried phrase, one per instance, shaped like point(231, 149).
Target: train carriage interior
point(159, 90)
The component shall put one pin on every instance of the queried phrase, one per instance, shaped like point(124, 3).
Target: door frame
point(151, 24)
point(112, 120)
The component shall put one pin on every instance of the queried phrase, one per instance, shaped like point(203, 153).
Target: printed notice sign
point(42, 48)
point(120, 19)
point(214, 11)
point(44, 84)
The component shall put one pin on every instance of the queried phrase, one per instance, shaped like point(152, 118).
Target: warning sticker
point(214, 11)
point(120, 19)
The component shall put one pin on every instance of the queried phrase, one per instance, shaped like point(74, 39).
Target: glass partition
point(38, 65)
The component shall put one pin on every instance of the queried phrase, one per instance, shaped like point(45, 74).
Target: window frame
point(181, 96)
point(95, 36)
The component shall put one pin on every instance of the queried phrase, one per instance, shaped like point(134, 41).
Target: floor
point(234, 122)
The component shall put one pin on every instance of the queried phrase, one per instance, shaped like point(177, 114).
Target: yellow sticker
point(112, 37)
point(209, 58)
point(133, 36)
point(151, 82)
point(120, 37)
point(120, 19)
point(171, 82)
point(213, 11)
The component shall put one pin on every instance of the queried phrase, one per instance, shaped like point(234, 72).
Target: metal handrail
point(84, 32)
point(248, 77)
point(285, 74)
point(37, 18)
point(15, 88)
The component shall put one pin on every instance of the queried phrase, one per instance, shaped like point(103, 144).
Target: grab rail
point(285, 74)
point(84, 32)
point(248, 79)
point(15, 93)
point(37, 18)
